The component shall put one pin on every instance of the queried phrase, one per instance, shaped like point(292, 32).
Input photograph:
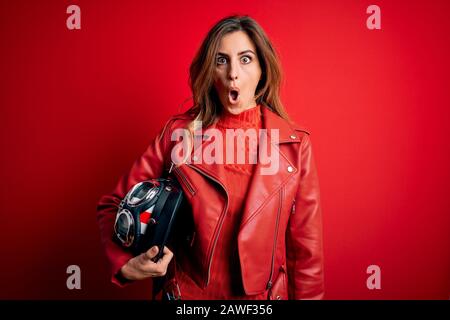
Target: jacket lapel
point(264, 186)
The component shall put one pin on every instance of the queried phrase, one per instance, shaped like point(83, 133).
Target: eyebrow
point(240, 53)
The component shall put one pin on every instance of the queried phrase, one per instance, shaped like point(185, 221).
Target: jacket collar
point(286, 129)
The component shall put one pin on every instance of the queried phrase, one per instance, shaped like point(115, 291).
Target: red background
point(78, 106)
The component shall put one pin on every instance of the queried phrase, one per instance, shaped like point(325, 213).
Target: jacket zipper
point(269, 284)
point(185, 181)
point(222, 216)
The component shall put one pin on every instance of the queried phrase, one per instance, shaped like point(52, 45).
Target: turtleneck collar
point(249, 118)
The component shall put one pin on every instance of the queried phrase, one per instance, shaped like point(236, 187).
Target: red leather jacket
point(280, 237)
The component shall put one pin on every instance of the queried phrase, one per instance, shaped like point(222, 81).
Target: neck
point(237, 109)
point(249, 118)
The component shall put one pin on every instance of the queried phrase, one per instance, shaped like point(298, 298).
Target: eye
point(246, 59)
point(221, 60)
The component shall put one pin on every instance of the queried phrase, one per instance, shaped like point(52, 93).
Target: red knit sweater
point(237, 180)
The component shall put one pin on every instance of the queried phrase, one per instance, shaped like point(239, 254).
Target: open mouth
point(233, 96)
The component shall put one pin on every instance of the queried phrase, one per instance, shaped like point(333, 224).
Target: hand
point(142, 266)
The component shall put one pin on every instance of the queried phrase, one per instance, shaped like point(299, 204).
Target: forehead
point(235, 42)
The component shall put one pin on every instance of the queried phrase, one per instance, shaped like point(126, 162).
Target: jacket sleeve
point(149, 165)
point(304, 234)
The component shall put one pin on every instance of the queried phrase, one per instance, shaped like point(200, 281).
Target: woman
point(256, 224)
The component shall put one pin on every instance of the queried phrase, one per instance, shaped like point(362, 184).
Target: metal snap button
point(293, 137)
point(290, 169)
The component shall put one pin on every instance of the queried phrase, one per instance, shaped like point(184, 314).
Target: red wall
point(78, 106)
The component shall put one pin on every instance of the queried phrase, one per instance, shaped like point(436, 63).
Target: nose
point(233, 71)
point(233, 76)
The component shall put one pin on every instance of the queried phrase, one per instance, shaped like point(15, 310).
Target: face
point(237, 72)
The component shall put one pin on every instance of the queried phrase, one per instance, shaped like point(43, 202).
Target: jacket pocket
point(279, 289)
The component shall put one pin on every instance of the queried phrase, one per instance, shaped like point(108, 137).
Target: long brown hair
point(206, 107)
point(201, 72)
